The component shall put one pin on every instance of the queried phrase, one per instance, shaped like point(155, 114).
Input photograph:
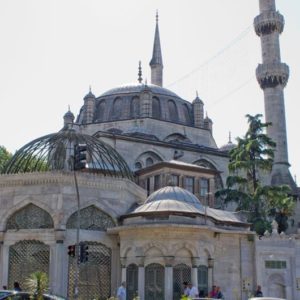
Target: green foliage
point(252, 157)
point(5, 156)
point(37, 284)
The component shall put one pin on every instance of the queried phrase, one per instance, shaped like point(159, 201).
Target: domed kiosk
point(172, 238)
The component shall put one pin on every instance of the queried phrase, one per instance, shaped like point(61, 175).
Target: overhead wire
point(239, 37)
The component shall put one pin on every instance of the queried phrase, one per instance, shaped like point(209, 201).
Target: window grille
point(275, 264)
point(25, 258)
point(132, 281)
point(154, 282)
point(181, 273)
point(30, 217)
point(94, 275)
point(202, 281)
point(91, 218)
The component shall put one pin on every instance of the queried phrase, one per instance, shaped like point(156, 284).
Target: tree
point(4, 157)
point(37, 284)
point(249, 160)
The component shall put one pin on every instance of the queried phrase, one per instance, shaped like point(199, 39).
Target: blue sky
point(51, 51)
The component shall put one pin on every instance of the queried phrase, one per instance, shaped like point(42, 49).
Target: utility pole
point(79, 163)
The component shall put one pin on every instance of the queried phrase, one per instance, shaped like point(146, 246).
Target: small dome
point(229, 146)
point(89, 95)
point(56, 152)
point(171, 199)
point(197, 100)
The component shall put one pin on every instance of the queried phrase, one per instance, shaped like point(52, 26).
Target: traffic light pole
point(77, 247)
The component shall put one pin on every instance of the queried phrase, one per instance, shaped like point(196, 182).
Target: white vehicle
point(266, 298)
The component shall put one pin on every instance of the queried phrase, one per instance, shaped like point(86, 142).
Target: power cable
point(208, 61)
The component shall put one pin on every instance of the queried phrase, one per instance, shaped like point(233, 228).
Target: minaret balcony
point(268, 22)
point(272, 75)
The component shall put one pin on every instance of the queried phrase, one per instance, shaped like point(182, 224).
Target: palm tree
point(37, 284)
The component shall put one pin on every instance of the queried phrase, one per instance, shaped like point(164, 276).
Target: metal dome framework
point(56, 152)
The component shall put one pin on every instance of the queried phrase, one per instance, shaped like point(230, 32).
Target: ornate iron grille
point(91, 218)
point(94, 275)
point(154, 282)
point(181, 273)
point(132, 281)
point(26, 257)
point(202, 281)
point(56, 152)
point(30, 217)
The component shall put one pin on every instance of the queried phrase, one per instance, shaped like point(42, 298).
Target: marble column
point(169, 260)
point(123, 269)
point(195, 264)
point(141, 277)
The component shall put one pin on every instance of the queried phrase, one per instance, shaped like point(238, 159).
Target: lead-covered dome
point(127, 102)
point(56, 152)
point(171, 199)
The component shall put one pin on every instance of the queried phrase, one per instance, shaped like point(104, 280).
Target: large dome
point(137, 88)
point(56, 152)
point(125, 102)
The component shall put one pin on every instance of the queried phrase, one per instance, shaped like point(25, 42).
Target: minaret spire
point(272, 76)
point(140, 79)
point(156, 62)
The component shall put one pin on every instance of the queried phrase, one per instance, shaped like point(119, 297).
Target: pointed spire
point(229, 138)
point(156, 62)
point(140, 79)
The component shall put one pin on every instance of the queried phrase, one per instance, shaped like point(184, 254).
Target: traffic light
point(72, 250)
point(84, 254)
point(80, 156)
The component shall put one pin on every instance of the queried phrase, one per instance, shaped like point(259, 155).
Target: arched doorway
point(154, 282)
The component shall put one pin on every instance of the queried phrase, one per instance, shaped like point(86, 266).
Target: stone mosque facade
point(145, 204)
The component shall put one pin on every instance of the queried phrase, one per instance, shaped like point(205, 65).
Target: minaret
point(272, 76)
point(156, 63)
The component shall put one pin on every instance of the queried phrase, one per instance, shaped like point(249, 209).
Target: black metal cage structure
point(56, 152)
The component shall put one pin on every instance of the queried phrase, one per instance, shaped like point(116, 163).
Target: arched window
point(173, 113)
point(155, 282)
point(131, 281)
point(203, 281)
point(30, 217)
point(100, 110)
point(138, 165)
point(156, 111)
point(149, 162)
point(116, 113)
point(91, 218)
point(135, 107)
point(186, 114)
point(181, 273)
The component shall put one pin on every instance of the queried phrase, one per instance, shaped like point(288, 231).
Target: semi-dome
point(56, 152)
point(170, 199)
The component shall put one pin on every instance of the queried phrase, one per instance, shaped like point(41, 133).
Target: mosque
point(144, 205)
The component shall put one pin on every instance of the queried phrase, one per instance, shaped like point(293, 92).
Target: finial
point(295, 178)
point(90, 88)
point(229, 137)
point(146, 81)
point(197, 96)
point(156, 16)
point(69, 108)
point(206, 115)
point(140, 79)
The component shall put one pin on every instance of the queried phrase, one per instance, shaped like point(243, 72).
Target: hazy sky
point(51, 51)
